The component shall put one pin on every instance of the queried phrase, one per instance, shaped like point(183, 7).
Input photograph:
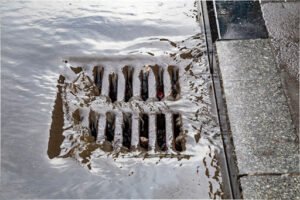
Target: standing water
point(37, 36)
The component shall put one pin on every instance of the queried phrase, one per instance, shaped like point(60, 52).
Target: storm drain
point(126, 107)
point(134, 106)
point(136, 128)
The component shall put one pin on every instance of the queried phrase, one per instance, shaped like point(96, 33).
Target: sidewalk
point(260, 83)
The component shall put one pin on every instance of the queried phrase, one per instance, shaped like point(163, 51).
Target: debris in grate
point(126, 129)
point(93, 124)
point(175, 88)
point(179, 139)
point(98, 76)
point(161, 131)
point(144, 131)
point(158, 73)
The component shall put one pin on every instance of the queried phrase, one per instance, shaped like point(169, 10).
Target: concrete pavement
point(260, 84)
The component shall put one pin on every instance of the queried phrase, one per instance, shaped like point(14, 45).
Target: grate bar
point(151, 84)
point(118, 137)
point(101, 128)
point(136, 82)
point(135, 130)
point(169, 130)
point(121, 84)
point(152, 129)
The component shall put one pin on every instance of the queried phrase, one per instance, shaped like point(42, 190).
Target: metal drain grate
point(134, 106)
point(134, 132)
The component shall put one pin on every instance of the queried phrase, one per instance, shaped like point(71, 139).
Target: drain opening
point(128, 73)
point(144, 84)
point(110, 126)
point(93, 124)
point(159, 73)
point(144, 131)
point(161, 131)
point(127, 121)
point(179, 139)
point(113, 86)
point(98, 76)
point(175, 87)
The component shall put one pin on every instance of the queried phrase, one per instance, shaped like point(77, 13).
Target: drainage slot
point(110, 126)
point(127, 121)
point(144, 131)
point(161, 131)
point(93, 124)
point(128, 72)
point(175, 87)
point(113, 86)
point(158, 72)
point(179, 140)
point(98, 76)
point(144, 84)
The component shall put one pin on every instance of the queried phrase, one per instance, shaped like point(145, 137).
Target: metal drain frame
point(95, 65)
